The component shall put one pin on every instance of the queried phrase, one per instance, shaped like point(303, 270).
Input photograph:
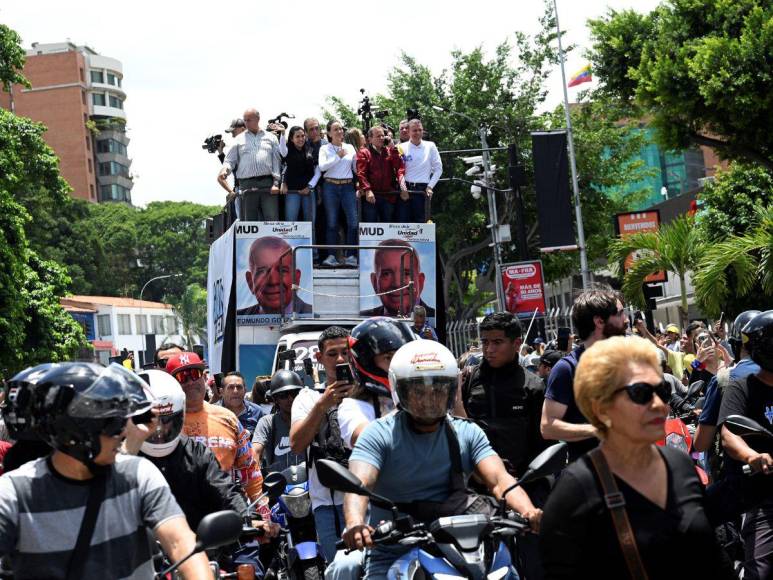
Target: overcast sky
point(190, 67)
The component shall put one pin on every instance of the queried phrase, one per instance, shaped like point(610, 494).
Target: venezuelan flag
point(581, 76)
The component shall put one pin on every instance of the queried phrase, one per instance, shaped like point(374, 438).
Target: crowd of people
point(160, 449)
point(369, 178)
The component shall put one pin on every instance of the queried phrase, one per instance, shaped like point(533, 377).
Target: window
point(113, 80)
point(97, 76)
point(113, 168)
point(141, 321)
point(158, 324)
point(114, 192)
point(83, 97)
point(115, 102)
point(91, 190)
point(80, 70)
point(111, 146)
point(171, 325)
point(98, 99)
point(103, 325)
point(124, 324)
point(91, 166)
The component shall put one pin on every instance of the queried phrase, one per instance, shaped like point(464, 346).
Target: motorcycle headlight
point(297, 502)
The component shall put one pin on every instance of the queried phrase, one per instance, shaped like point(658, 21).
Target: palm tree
point(191, 307)
point(676, 247)
point(750, 257)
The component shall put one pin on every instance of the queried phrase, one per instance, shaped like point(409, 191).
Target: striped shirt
point(41, 513)
point(254, 155)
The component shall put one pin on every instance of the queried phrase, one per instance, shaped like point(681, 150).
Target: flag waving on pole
point(581, 76)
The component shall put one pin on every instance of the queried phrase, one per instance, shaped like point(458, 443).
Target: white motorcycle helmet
point(169, 400)
point(423, 378)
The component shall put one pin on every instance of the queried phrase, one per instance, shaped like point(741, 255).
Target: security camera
point(474, 170)
point(473, 160)
point(475, 191)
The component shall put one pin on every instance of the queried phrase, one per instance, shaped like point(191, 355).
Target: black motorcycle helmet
point(758, 339)
point(283, 381)
point(372, 337)
point(85, 400)
point(735, 339)
point(23, 396)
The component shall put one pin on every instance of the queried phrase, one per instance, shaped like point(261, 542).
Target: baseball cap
point(672, 328)
point(236, 123)
point(538, 340)
point(551, 357)
point(182, 361)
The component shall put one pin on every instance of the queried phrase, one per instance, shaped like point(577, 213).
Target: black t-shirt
point(578, 538)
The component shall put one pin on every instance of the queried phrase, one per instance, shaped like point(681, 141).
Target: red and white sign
point(636, 223)
point(524, 288)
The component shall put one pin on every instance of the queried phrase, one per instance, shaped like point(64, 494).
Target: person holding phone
point(421, 327)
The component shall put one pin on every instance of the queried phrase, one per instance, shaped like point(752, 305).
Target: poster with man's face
point(400, 274)
point(265, 274)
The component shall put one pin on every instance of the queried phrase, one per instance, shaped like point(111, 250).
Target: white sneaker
point(330, 261)
point(351, 261)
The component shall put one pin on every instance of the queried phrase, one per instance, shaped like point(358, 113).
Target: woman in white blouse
point(337, 160)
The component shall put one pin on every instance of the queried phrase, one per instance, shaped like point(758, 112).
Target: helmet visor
point(168, 428)
point(117, 392)
point(427, 397)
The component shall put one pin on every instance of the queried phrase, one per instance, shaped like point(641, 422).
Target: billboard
point(636, 223)
point(385, 274)
point(219, 281)
point(524, 288)
point(264, 287)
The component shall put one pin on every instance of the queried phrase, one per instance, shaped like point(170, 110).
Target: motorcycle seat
point(464, 531)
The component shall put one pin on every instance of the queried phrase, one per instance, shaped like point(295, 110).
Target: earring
point(607, 423)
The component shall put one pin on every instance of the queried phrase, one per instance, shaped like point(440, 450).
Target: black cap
point(235, 124)
point(551, 357)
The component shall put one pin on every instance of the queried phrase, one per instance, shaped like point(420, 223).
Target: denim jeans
point(382, 211)
point(413, 210)
point(327, 534)
point(378, 560)
point(335, 197)
point(294, 201)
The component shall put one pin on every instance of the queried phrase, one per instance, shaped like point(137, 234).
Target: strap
point(78, 557)
point(615, 502)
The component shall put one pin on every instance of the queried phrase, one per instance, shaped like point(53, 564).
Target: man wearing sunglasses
point(165, 352)
point(215, 426)
point(596, 315)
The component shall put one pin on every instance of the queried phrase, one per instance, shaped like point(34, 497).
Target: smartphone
point(219, 381)
point(638, 315)
point(562, 340)
point(344, 374)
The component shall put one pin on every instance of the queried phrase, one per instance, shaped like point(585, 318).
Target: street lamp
point(153, 280)
point(492, 199)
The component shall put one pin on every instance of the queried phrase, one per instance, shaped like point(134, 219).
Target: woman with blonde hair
point(628, 509)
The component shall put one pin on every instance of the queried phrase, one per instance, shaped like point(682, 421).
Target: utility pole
point(493, 216)
point(573, 164)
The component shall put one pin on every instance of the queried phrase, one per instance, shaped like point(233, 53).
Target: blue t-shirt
point(415, 466)
point(561, 385)
point(713, 400)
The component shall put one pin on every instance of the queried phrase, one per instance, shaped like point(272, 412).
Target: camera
point(212, 143)
point(279, 120)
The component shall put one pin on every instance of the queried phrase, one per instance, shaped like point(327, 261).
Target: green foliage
point(12, 59)
point(700, 69)
point(737, 266)
point(191, 307)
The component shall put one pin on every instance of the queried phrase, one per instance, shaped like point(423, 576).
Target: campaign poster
point(635, 223)
point(389, 284)
point(524, 288)
point(219, 280)
point(264, 286)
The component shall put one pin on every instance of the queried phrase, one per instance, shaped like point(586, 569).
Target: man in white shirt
point(254, 160)
point(423, 169)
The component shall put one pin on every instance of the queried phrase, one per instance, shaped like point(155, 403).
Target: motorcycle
point(680, 426)
point(475, 546)
point(298, 556)
point(748, 429)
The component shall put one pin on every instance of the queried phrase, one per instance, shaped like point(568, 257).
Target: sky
point(191, 67)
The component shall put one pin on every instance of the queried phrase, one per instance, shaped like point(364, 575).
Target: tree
point(747, 260)
point(191, 307)
point(699, 69)
point(676, 247)
point(11, 59)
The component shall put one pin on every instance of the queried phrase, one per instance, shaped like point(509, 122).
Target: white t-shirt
point(353, 412)
point(302, 406)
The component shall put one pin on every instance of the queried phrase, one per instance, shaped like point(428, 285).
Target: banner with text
point(220, 277)
point(524, 288)
point(264, 287)
point(386, 274)
point(636, 223)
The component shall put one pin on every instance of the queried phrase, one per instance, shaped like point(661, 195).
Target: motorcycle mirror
point(550, 461)
point(215, 530)
point(742, 426)
point(274, 484)
point(694, 389)
point(337, 477)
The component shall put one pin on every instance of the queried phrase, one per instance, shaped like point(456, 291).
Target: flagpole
point(573, 165)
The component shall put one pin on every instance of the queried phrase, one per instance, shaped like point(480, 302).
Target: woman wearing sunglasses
point(628, 487)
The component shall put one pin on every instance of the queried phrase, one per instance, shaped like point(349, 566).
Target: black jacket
point(197, 482)
point(507, 404)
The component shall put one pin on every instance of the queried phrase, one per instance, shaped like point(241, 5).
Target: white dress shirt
point(336, 167)
point(422, 162)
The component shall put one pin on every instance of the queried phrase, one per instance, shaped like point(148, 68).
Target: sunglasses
point(188, 375)
point(285, 395)
point(113, 426)
point(641, 393)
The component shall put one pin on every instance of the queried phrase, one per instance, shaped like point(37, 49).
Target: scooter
point(748, 429)
point(464, 546)
point(298, 556)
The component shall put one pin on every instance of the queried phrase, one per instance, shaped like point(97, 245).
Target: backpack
point(329, 444)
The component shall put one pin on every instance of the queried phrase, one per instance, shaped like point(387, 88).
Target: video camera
point(278, 120)
point(212, 143)
point(365, 110)
point(412, 114)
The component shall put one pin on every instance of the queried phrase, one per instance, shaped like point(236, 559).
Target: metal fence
point(460, 334)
